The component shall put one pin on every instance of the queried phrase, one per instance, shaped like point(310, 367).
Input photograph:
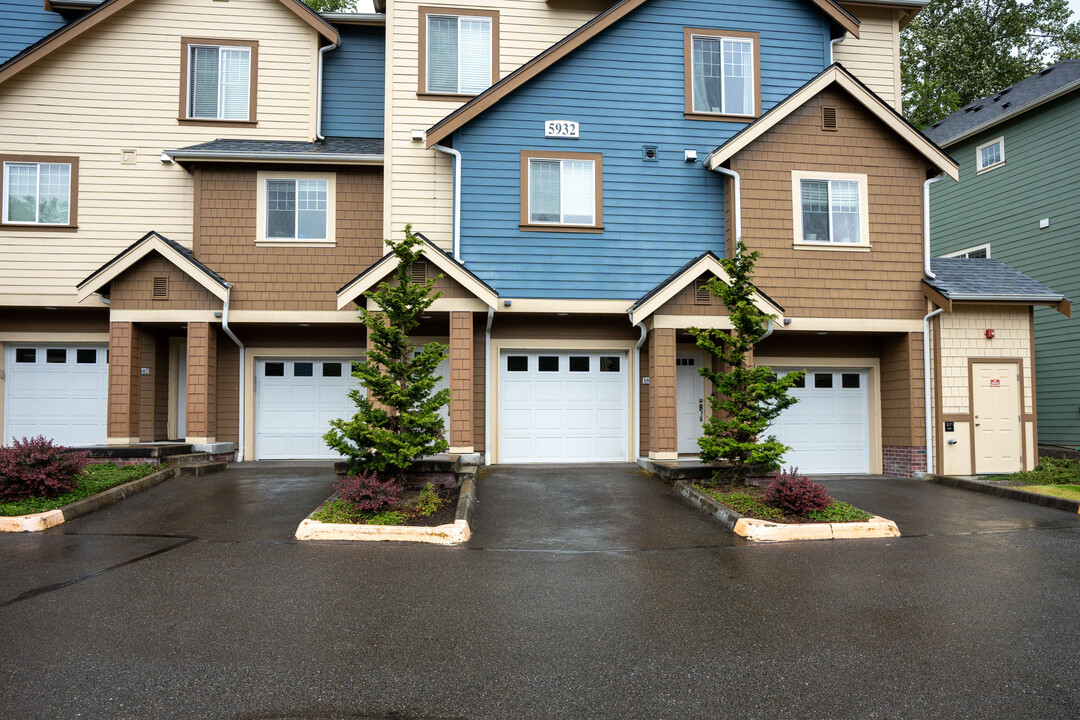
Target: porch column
point(125, 357)
point(201, 416)
point(461, 382)
point(663, 433)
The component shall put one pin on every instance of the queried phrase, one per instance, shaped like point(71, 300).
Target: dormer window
point(219, 80)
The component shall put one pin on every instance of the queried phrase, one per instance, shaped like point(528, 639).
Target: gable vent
point(161, 288)
point(418, 271)
point(828, 118)
point(702, 296)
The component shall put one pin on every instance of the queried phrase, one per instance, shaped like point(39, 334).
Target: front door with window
point(689, 402)
point(995, 403)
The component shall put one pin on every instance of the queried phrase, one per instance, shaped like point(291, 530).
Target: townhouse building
point(196, 194)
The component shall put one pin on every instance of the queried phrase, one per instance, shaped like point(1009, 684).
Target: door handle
point(701, 409)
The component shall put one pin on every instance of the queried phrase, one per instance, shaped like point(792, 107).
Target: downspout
point(832, 47)
point(228, 331)
point(637, 388)
point(926, 388)
point(487, 388)
point(926, 224)
point(104, 299)
point(457, 197)
point(737, 202)
point(318, 90)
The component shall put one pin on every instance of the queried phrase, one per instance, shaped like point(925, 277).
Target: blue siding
point(626, 89)
point(24, 22)
point(353, 81)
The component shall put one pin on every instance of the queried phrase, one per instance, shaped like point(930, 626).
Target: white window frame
point(979, 167)
point(191, 82)
point(966, 252)
point(427, 51)
point(562, 189)
point(797, 176)
point(723, 88)
point(261, 239)
point(37, 194)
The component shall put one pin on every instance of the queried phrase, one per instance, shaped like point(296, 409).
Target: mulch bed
point(757, 492)
point(443, 516)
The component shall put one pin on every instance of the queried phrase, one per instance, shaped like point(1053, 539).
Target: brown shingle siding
point(134, 289)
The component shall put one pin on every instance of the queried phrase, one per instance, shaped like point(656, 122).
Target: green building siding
point(1003, 207)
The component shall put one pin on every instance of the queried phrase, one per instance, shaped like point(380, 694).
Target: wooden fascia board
point(129, 259)
point(381, 269)
point(878, 108)
point(705, 264)
point(109, 8)
point(933, 295)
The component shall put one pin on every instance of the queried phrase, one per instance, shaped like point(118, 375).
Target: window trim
point(797, 176)
point(73, 191)
point(979, 167)
point(688, 74)
point(260, 208)
point(186, 44)
point(421, 67)
point(598, 187)
point(973, 248)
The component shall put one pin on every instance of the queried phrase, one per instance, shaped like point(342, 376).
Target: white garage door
point(295, 400)
point(563, 407)
point(828, 430)
point(59, 391)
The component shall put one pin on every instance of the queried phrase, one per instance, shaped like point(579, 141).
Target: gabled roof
point(681, 278)
point(986, 280)
point(455, 120)
point(172, 251)
point(355, 288)
point(834, 74)
point(107, 9)
point(1043, 86)
point(331, 150)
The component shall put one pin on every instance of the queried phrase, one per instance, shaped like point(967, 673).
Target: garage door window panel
point(25, 355)
point(517, 363)
point(331, 369)
point(274, 369)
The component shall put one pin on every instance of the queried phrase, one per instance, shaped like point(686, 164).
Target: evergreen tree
point(745, 398)
point(398, 420)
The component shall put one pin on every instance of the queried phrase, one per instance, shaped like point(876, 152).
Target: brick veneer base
point(902, 460)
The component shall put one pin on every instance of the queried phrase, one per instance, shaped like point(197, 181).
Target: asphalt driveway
point(585, 592)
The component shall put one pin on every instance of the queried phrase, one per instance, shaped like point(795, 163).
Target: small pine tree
point(745, 398)
point(398, 420)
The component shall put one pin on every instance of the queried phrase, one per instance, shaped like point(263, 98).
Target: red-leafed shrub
point(796, 494)
point(366, 491)
point(36, 467)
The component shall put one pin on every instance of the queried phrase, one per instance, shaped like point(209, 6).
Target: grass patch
point(94, 479)
point(1069, 492)
point(750, 501)
point(1049, 471)
point(342, 512)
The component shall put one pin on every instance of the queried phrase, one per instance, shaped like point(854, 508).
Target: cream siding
point(874, 57)
point(117, 87)
point(419, 182)
point(962, 337)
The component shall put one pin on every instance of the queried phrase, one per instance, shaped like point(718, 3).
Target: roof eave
point(321, 159)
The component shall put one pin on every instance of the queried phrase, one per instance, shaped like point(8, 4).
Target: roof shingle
point(975, 278)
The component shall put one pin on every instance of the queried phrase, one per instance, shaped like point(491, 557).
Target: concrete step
point(206, 468)
point(188, 459)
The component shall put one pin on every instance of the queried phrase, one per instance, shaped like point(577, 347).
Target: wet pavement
point(586, 592)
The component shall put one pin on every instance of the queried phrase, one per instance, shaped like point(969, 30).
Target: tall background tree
point(336, 5)
point(956, 51)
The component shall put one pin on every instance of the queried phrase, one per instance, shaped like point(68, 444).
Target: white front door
point(995, 400)
point(689, 401)
point(828, 429)
point(58, 391)
point(295, 400)
point(558, 406)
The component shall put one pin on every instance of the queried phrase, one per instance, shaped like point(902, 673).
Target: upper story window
point(459, 51)
point(561, 191)
point(218, 82)
point(990, 155)
point(39, 191)
point(830, 210)
point(723, 74)
point(979, 251)
point(295, 208)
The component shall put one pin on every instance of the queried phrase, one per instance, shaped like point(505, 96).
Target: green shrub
point(387, 517)
point(428, 503)
point(839, 512)
point(336, 511)
point(743, 503)
point(1049, 471)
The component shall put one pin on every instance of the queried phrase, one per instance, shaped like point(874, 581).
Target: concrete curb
point(37, 522)
point(453, 533)
point(1004, 491)
point(765, 531)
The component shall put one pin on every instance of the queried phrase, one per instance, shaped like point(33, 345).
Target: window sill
point(719, 117)
point(562, 228)
point(444, 96)
point(206, 122)
point(988, 168)
point(277, 242)
point(38, 227)
point(832, 247)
